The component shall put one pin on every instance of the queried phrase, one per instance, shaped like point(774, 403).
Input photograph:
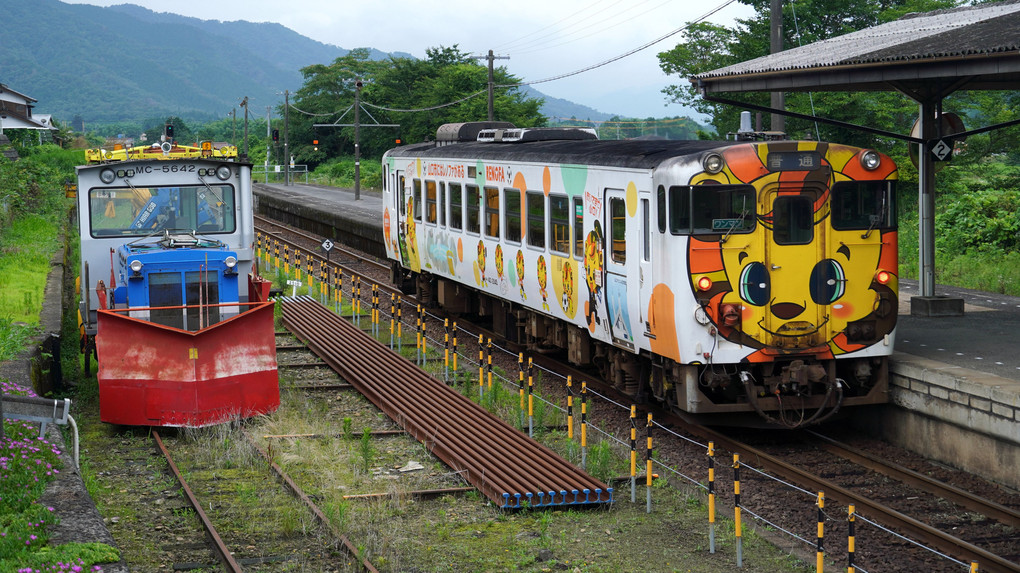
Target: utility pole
point(286, 150)
point(492, 82)
point(357, 139)
point(269, 135)
point(244, 104)
point(778, 100)
point(233, 139)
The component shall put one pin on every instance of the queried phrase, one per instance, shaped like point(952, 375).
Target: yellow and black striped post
point(633, 453)
point(375, 308)
point(446, 350)
point(711, 497)
point(737, 526)
point(648, 467)
point(297, 263)
point(570, 407)
point(417, 334)
point(455, 348)
point(851, 539)
point(286, 259)
point(310, 269)
point(424, 334)
point(520, 383)
point(488, 358)
point(820, 547)
point(323, 282)
point(974, 567)
point(481, 367)
point(531, 400)
point(400, 326)
point(276, 253)
point(357, 299)
point(584, 425)
point(393, 317)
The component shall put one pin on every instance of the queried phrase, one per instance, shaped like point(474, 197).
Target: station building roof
point(972, 47)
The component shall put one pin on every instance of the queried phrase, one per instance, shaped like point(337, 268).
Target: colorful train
point(171, 306)
point(719, 278)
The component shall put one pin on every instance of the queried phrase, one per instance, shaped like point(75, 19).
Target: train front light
point(136, 268)
point(231, 263)
point(107, 176)
point(713, 163)
point(223, 172)
point(871, 160)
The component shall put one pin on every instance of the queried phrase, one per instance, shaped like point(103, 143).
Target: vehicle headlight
point(713, 163)
point(230, 261)
point(107, 176)
point(870, 160)
point(223, 172)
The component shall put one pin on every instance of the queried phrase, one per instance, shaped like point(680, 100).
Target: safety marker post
point(488, 358)
point(340, 291)
point(820, 548)
point(310, 269)
point(446, 350)
point(357, 298)
point(570, 408)
point(417, 343)
point(531, 400)
point(520, 383)
point(711, 497)
point(286, 259)
point(584, 425)
point(851, 541)
point(481, 366)
point(400, 327)
point(276, 254)
point(648, 467)
point(424, 334)
point(633, 453)
point(375, 309)
point(736, 510)
point(393, 317)
point(455, 348)
point(324, 282)
point(297, 263)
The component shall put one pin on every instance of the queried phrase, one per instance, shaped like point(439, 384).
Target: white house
point(16, 112)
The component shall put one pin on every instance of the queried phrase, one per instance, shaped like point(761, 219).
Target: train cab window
point(492, 212)
point(417, 198)
point(512, 204)
point(618, 229)
point(199, 294)
point(456, 194)
point(536, 218)
point(140, 211)
point(559, 223)
point(660, 205)
point(579, 228)
point(863, 205)
point(473, 209)
point(711, 209)
point(165, 291)
point(792, 220)
point(430, 202)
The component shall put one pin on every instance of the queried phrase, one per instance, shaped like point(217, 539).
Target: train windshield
point(863, 205)
point(711, 209)
point(141, 211)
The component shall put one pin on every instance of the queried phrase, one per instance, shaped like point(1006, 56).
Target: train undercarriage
point(795, 391)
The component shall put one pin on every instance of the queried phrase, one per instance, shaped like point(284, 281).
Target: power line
point(518, 41)
point(590, 32)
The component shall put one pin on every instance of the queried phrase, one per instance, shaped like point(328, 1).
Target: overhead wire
point(589, 32)
point(519, 39)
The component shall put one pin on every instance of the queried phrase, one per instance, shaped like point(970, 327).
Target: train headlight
point(136, 268)
point(231, 263)
point(107, 176)
point(870, 160)
point(713, 163)
point(223, 172)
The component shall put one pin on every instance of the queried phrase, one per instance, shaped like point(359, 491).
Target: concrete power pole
point(776, 45)
point(492, 82)
point(357, 140)
point(286, 150)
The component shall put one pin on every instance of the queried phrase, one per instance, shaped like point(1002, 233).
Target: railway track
point(885, 516)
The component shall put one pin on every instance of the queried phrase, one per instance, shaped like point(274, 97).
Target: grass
point(25, 252)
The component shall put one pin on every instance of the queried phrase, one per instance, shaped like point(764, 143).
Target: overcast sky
point(542, 38)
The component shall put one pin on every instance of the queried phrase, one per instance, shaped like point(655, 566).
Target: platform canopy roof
point(933, 53)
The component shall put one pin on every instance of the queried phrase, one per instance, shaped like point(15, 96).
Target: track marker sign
point(942, 149)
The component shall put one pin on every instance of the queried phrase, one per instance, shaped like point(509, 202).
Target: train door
point(621, 262)
point(647, 277)
point(797, 239)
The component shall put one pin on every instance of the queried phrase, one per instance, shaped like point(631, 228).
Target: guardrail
point(42, 410)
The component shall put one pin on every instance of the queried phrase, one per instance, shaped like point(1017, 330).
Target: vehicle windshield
point(140, 211)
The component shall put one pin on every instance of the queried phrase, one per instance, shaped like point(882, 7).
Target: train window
point(579, 228)
point(792, 220)
point(646, 221)
point(660, 204)
point(536, 218)
point(402, 191)
point(618, 229)
point(559, 222)
point(711, 209)
point(492, 212)
point(862, 205)
point(512, 200)
point(442, 204)
point(456, 195)
point(473, 209)
point(139, 211)
point(417, 199)
point(201, 294)
point(430, 201)
point(165, 291)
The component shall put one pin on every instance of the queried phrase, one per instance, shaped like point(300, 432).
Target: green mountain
point(126, 63)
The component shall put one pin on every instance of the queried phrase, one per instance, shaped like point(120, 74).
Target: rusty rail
point(506, 466)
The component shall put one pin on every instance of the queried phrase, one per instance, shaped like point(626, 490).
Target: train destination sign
point(794, 161)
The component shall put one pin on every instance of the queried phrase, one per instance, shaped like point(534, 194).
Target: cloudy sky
point(542, 38)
